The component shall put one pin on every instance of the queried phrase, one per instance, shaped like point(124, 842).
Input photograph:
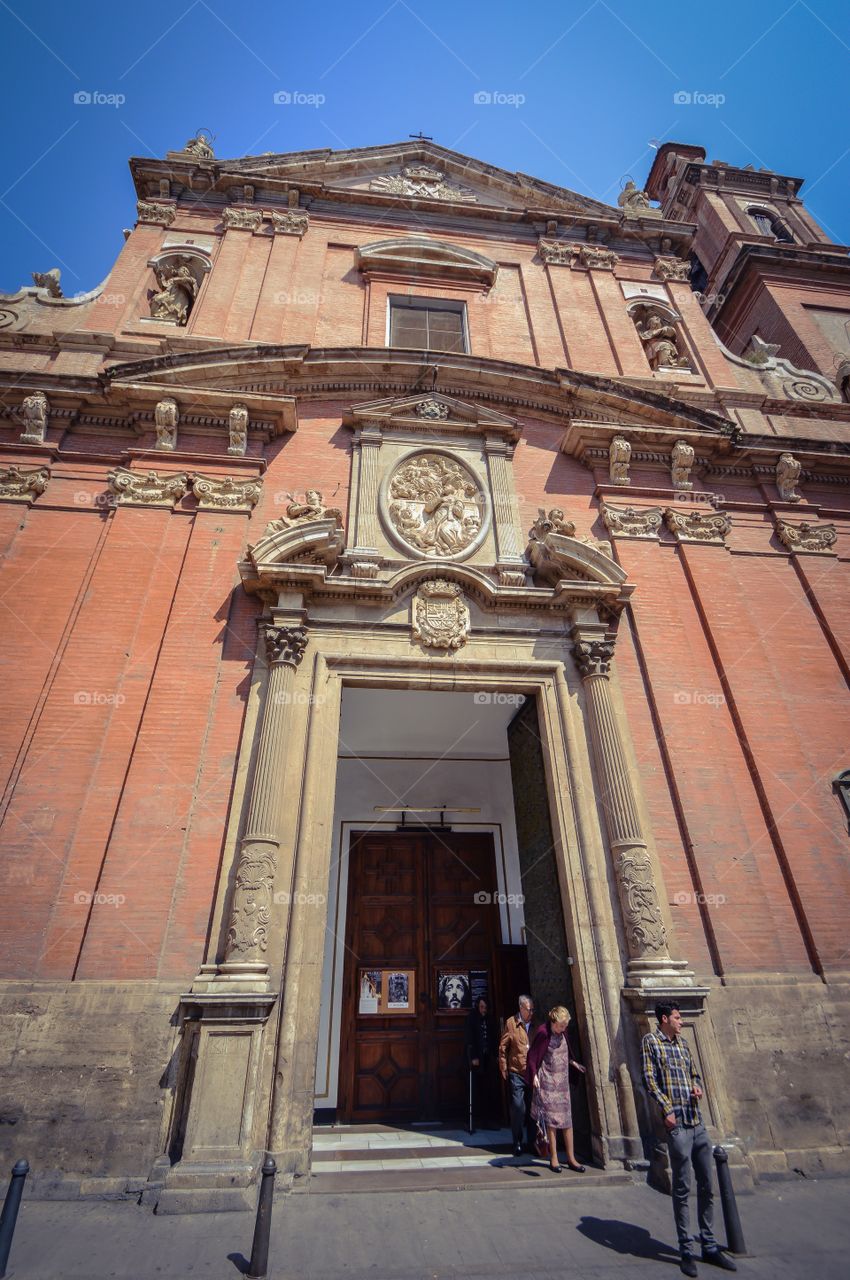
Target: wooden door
point(422, 904)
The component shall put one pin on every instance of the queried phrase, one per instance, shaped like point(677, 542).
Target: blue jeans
point(520, 1102)
point(690, 1145)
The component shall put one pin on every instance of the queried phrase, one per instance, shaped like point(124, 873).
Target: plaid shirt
point(669, 1074)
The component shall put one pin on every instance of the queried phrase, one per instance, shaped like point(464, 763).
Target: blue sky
point(579, 92)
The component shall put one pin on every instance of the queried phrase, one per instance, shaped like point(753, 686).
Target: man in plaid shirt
point(672, 1080)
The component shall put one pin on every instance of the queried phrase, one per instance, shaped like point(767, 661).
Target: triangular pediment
point(432, 411)
point(412, 171)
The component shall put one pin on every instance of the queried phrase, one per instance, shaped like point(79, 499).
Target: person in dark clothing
point(482, 1047)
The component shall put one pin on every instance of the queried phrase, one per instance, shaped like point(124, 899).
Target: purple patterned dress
point(550, 1104)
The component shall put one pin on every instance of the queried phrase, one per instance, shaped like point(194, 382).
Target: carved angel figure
point(619, 456)
point(34, 409)
point(553, 523)
point(632, 200)
point(660, 339)
point(681, 461)
point(200, 146)
point(312, 508)
point(175, 297)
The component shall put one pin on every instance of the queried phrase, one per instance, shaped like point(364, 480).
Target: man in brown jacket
point(513, 1052)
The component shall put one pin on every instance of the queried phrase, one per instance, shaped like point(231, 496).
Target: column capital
point(593, 656)
point(285, 644)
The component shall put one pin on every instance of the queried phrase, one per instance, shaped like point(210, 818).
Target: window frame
point(421, 302)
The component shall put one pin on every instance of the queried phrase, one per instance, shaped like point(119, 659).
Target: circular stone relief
point(435, 507)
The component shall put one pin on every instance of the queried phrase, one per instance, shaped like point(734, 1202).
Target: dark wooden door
point(420, 903)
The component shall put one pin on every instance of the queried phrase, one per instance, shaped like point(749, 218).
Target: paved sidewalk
point(794, 1230)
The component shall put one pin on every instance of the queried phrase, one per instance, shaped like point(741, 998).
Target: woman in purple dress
point(548, 1073)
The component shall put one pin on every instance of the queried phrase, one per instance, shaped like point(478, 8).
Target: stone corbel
point(807, 539)
point(619, 457)
point(242, 219)
point(294, 222)
point(152, 211)
point(632, 522)
point(18, 485)
point(672, 269)
point(146, 489)
point(698, 526)
point(227, 494)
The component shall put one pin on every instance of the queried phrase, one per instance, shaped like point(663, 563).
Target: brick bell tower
point(769, 273)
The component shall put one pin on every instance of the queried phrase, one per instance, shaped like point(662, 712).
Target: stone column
point(247, 933)
point(509, 560)
point(649, 963)
point(363, 557)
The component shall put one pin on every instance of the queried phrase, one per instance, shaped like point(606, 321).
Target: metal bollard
point(259, 1265)
point(10, 1211)
point(734, 1233)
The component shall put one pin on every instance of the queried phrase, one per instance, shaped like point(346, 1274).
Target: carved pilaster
point(363, 527)
point(247, 934)
point(649, 958)
point(505, 516)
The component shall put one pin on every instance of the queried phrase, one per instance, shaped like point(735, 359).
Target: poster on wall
point(453, 990)
point(387, 991)
point(479, 985)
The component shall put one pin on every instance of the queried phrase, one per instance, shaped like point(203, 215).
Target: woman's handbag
point(541, 1138)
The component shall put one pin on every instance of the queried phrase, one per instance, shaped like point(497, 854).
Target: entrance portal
point(422, 943)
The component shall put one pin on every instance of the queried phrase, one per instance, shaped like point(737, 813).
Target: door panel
point(418, 901)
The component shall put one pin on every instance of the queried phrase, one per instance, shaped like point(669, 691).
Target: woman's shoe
point(577, 1168)
point(556, 1168)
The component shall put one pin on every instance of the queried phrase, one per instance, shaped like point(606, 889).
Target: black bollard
point(259, 1264)
point(9, 1216)
point(734, 1233)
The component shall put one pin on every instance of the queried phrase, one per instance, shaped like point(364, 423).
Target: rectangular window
point(429, 324)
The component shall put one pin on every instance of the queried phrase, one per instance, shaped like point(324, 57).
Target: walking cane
point(470, 1100)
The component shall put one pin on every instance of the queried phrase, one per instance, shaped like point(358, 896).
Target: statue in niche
point(176, 295)
point(660, 341)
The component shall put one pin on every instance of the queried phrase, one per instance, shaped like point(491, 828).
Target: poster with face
point(453, 990)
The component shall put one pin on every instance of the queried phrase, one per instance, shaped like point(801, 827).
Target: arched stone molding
point(419, 256)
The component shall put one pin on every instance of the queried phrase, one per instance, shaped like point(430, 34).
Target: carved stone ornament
point(227, 494)
point(595, 255)
point(237, 431)
point(635, 203)
point(698, 526)
point(672, 269)
point(440, 615)
point(432, 410)
point(312, 508)
point(619, 456)
point(242, 219)
point(639, 896)
point(252, 897)
point(151, 211)
point(48, 280)
point(177, 291)
point(593, 657)
point(35, 410)
point(422, 182)
point(569, 254)
point(200, 146)
point(632, 522)
point(435, 505)
point(660, 339)
point(148, 489)
point(681, 460)
point(805, 389)
point(812, 538)
point(294, 222)
point(557, 253)
point(17, 485)
point(787, 474)
point(285, 644)
point(166, 417)
point(554, 522)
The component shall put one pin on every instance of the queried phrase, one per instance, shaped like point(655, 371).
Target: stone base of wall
point(86, 1070)
point(785, 1043)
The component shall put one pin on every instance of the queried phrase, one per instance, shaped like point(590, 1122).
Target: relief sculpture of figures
point(312, 508)
point(435, 505)
point(176, 295)
point(661, 341)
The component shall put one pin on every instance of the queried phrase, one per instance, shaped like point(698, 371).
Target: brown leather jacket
point(513, 1046)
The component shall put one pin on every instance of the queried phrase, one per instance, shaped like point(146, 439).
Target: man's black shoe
point(717, 1258)
point(518, 1149)
point(688, 1265)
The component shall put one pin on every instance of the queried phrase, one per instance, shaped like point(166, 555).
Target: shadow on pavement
point(625, 1237)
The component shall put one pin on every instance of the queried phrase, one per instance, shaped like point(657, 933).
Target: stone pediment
point(431, 411)
point(424, 256)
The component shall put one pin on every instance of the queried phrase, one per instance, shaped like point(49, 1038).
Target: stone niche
point(432, 481)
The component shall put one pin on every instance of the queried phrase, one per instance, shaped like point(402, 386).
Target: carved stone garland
point(247, 934)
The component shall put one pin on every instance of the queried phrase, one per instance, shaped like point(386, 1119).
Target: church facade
point(421, 580)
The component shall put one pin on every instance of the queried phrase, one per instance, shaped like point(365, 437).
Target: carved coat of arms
point(440, 615)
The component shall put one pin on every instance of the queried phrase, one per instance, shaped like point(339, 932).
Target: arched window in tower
point(768, 224)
